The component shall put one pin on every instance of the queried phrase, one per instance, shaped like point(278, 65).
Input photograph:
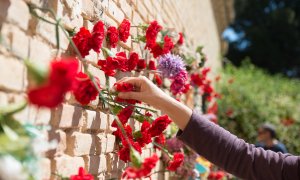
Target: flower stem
point(163, 149)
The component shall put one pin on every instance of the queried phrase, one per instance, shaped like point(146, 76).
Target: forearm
point(234, 155)
point(178, 112)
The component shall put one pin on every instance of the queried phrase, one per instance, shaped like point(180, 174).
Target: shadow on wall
point(4, 4)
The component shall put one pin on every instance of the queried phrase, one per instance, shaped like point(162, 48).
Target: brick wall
point(83, 133)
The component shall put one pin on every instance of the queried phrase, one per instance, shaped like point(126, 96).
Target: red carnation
point(82, 175)
point(122, 61)
point(124, 30)
point(61, 78)
point(119, 134)
point(97, 36)
point(207, 88)
point(152, 65)
point(186, 88)
point(141, 64)
point(84, 89)
point(151, 34)
point(145, 137)
point(133, 61)
point(157, 79)
point(123, 87)
point(159, 125)
point(124, 152)
point(81, 40)
point(196, 79)
point(176, 162)
point(205, 71)
point(137, 173)
point(124, 115)
point(180, 40)
point(46, 96)
point(112, 36)
point(106, 68)
point(168, 44)
point(161, 140)
point(62, 72)
point(158, 49)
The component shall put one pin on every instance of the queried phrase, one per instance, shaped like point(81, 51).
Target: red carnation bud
point(152, 65)
point(141, 64)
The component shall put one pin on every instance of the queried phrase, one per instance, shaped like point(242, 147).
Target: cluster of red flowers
point(139, 139)
point(157, 48)
point(86, 40)
point(119, 62)
point(201, 81)
point(82, 175)
point(142, 171)
point(60, 80)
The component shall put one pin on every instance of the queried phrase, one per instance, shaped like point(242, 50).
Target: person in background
point(213, 142)
point(266, 136)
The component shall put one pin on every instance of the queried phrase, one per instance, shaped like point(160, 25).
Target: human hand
point(145, 91)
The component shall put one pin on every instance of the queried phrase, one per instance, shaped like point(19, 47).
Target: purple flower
point(170, 65)
point(174, 144)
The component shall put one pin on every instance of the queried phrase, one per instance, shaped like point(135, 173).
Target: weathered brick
point(12, 76)
point(126, 8)
point(116, 164)
point(15, 39)
point(92, 10)
point(40, 116)
point(48, 31)
point(96, 121)
point(110, 143)
point(95, 164)
point(67, 116)
point(66, 165)
point(114, 12)
point(39, 51)
point(15, 11)
point(81, 144)
point(46, 170)
point(3, 99)
point(58, 136)
point(101, 143)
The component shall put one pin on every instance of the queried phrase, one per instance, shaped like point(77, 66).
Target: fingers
point(129, 95)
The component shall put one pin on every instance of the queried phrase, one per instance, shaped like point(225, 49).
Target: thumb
point(130, 95)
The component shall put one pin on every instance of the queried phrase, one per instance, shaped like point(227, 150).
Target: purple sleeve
point(236, 156)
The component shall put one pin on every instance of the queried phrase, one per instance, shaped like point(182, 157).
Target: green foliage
point(269, 33)
point(255, 97)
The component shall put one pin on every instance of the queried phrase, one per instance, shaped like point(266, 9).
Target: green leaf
point(37, 73)
point(15, 148)
point(137, 134)
point(135, 158)
point(11, 134)
point(12, 108)
point(199, 49)
point(117, 109)
point(107, 52)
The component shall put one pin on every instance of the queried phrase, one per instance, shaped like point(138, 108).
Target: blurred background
point(260, 79)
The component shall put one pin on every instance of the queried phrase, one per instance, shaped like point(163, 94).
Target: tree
point(268, 32)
